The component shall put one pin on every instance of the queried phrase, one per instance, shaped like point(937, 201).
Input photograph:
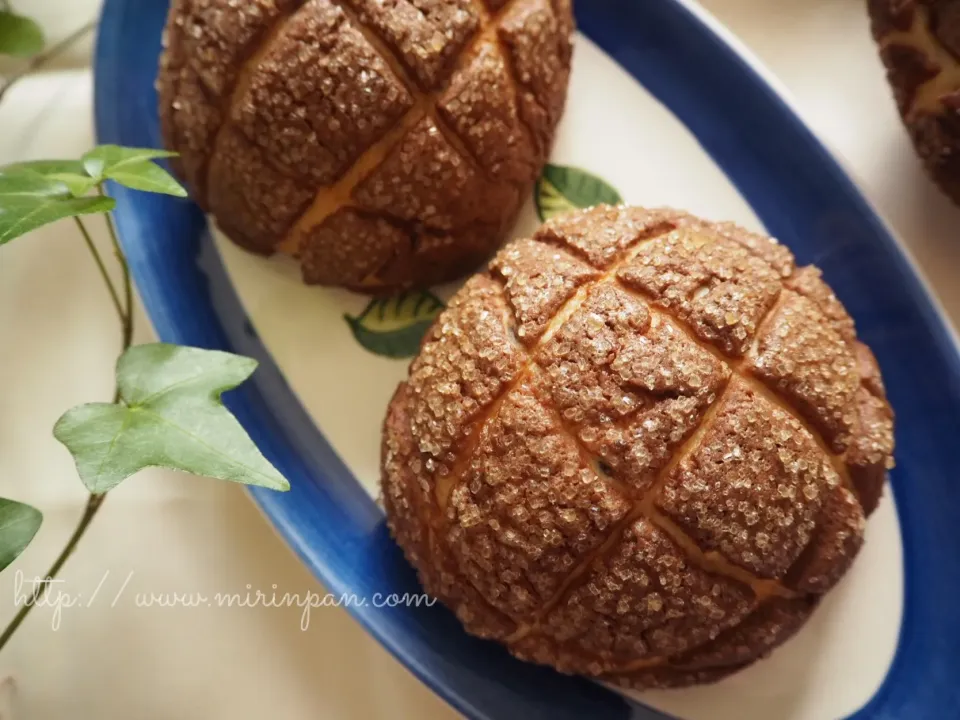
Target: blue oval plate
point(668, 111)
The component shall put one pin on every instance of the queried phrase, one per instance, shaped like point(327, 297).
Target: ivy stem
point(103, 269)
point(127, 283)
point(93, 501)
point(39, 60)
point(93, 505)
point(126, 317)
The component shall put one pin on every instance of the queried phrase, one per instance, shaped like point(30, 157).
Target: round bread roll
point(384, 144)
point(641, 447)
point(920, 46)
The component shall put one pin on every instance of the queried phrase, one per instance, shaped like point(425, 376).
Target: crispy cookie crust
point(640, 447)
point(386, 144)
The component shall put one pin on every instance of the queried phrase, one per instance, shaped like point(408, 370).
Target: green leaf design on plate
point(561, 189)
point(18, 524)
point(132, 167)
point(393, 327)
point(19, 36)
point(171, 416)
point(29, 200)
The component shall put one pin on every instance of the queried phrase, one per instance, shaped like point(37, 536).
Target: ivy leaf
point(133, 168)
point(18, 524)
point(78, 185)
point(393, 327)
point(70, 172)
point(29, 200)
point(19, 36)
point(171, 416)
point(48, 167)
point(112, 157)
point(561, 189)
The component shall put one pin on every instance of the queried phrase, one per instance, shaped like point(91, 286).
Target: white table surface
point(163, 533)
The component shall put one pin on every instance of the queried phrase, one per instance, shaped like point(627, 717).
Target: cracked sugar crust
point(218, 38)
point(717, 286)
point(919, 43)
point(766, 248)
point(203, 46)
point(467, 361)
point(834, 545)
point(188, 119)
point(443, 194)
point(433, 116)
point(538, 281)
point(533, 35)
point(809, 282)
point(325, 261)
point(753, 487)
point(434, 257)
point(643, 599)
point(610, 493)
point(408, 499)
point(250, 199)
point(629, 385)
point(601, 235)
point(426, 35)
point(481, 107)
point(801, 355)
point(320, 96)
point(206, 44)
point(768, 626)
point(871, 452)
point(528, 508)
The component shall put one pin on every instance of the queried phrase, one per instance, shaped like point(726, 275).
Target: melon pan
point(641, 447)
point(384, 144)
point(919, 43)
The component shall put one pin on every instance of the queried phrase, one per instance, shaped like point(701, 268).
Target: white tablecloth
point(160, 533)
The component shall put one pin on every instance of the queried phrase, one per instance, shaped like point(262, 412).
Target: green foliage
point(171, 416)
point(561, 189)
point(168, 411)
point(29, 200)
point(18, 524)
point(49, 167)
point(19, 36)
point(393, 327)
point(33, 194)
point(133, 168)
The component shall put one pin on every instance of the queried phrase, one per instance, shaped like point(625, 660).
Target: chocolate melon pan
point(920, 45)
point(384, 144)
point(641, 447)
